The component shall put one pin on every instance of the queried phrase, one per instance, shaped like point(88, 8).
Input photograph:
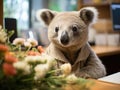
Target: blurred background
point(104, 36)
point(24, 12)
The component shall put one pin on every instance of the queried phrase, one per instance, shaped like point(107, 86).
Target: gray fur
point(87, 64)
point(77, 51)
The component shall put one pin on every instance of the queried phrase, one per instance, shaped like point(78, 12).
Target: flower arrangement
point(31, 68)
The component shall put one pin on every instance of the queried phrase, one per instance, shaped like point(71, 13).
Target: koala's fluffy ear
point(45, 15)
point(89, 15)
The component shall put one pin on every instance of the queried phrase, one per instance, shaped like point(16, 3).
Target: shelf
point(103, 4)
point(102, 7)
point(106, 50)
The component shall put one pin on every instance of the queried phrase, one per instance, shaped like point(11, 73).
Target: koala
point(68, 36)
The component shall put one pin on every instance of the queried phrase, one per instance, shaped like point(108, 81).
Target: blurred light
point(25, 5)
point(24, 16)
point(73, 2)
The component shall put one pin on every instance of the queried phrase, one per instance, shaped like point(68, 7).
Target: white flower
point(35, 59)
point(27, 44)
point(40, 71)
point(50, 60)
point(22, 66)
point(43, 58)
point(3, 35)
point(66, 68)
point(41, 67)
point(33, 42)
point(71, 78)
point(18, 41)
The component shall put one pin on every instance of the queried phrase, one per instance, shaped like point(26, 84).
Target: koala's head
point(67, 29)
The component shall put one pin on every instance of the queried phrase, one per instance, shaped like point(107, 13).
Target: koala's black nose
point(64, 38)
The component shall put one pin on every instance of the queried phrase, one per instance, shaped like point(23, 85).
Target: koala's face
point(68, 29)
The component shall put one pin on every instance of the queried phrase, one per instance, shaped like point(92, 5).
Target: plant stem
point(28, 79)
point(27, 49)
point(53, 71)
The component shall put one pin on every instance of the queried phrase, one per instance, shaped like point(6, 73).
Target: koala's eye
point(56, 29)
point(74, 28)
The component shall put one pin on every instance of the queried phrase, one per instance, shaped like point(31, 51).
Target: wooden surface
point(100, 85)
point(97, 85)
point(106, 50)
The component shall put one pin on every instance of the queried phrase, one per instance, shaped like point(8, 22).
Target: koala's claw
point(83, 75)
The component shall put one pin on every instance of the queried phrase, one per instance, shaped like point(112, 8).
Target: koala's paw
point(83, 75)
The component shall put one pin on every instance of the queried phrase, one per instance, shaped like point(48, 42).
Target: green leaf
point(10, 33)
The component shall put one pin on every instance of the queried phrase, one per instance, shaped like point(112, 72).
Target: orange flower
point(3, 48)
point(11, 53)
point(32, 53)
point(40, 49)
point(8, 69)
point(10, 58)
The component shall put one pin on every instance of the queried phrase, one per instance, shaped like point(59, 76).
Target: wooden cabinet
point(1, 12)
point(102, 7)
point(110, 57)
